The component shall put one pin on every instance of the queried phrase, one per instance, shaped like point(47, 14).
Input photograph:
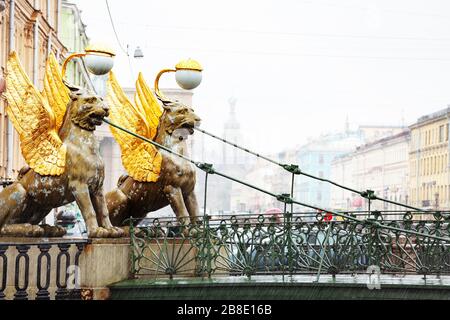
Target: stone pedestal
point(102, 263)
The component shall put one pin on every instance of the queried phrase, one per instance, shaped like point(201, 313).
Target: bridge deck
point(289, 287)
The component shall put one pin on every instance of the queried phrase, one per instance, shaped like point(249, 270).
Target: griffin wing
point(35, 122)
point(141, 159)
point(55, 91)
point(147, 102)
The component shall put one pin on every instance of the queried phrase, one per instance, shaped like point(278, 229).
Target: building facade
point(32, 29)
point(73, 36)
point(315, 158)
point(267, 176)
point(381, 166)
point(428, 160)
point(247, 200)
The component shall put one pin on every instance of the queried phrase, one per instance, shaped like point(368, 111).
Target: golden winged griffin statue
point(56, 131)
point(155, 178)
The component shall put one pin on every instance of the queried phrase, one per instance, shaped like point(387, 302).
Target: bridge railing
point(312, 243)
point(40, 269)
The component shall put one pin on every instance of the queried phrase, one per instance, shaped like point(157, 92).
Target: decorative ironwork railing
point(301, 243)
point(48, 262)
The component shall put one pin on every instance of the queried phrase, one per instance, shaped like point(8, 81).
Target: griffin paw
point(22, 230)
point(116, 232)
point(98, 233)
point(126, 231)
point(53, 231)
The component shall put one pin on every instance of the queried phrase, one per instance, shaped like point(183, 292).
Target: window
point(321, 160)
point(432, 165)
point(446, 132)
point(441, 133)
point(430, 170)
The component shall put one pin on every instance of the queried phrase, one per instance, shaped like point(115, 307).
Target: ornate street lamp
point(138, 54)
point(99, 59)
point(188, 74)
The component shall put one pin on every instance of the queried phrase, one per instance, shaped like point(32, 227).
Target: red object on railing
point(328, 216)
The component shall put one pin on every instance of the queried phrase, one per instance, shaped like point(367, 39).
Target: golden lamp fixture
point(188, 74)
point(99, 59)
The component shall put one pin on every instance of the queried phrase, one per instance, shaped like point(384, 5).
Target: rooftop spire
point(232, 122)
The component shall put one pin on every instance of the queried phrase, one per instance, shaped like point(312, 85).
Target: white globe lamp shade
point(188, 79)
point(99, 58)
point(188, 74)
point(99, 64)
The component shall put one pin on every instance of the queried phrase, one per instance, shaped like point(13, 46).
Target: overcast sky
point(297, 68)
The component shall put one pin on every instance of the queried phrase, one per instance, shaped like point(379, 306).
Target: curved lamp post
point(99, 60)
point(188, 74)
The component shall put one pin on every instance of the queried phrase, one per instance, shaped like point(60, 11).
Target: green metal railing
point(291, 244)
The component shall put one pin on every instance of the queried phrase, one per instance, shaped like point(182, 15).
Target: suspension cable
point(238, 146)
point(285, 198)
point(114, 29)
point(295, 169)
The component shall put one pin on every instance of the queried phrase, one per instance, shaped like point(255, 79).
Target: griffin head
point(87, 110)
point(178, 119)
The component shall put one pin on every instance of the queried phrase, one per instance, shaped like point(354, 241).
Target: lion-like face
point(180, 120)
point(88, 110)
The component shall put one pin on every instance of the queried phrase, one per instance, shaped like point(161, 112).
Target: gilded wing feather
point(141, 159)
point(147, 102)
point(35, 122)
point(55, 91)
